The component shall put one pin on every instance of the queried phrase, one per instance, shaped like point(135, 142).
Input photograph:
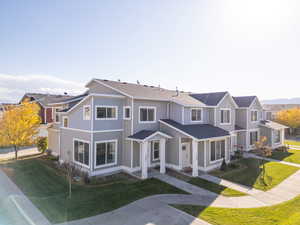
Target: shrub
point(223, 166)
point(42, 144)
point(233, 165)
point(282, 149)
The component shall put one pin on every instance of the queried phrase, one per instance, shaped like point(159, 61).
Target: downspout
point(131, 142)
point(92, 136)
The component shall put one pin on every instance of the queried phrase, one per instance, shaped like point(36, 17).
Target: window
point(155, 150)
point(253, 137)
point(147, 114)
point(56, 114)
point(225, 116)
point(86, 112)
point(217, 150)
point(65, 121)
point(106, 153)
point(254, 116)
point(196, 115)
point(106, 113)
point(81, 152)
point(277, 138)
point(126, 113)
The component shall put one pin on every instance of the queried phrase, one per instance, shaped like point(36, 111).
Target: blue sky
point(245, 47)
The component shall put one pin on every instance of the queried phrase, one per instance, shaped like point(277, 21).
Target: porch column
point(195, 158)
point(144, 159)
point(162, 155)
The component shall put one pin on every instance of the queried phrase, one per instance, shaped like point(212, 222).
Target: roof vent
point(105, 80)
point(124, 83)
point(119, 80)
point(152, 86)
point(145, 85)
point(137, 82)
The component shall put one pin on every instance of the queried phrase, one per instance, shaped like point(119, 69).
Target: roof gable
point(244, 101)
point(210, 99)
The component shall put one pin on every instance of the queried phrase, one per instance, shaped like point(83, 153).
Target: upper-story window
point(253, 137)
point(56, 114)
point(106, 112)
point(196, 115)
point(86, 112)
point(254, 115)
point(127, 113)
point(225, 116)
point(65, 121)
point(147, 114)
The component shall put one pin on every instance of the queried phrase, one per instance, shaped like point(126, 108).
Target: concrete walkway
point(16, 206)
point(25, 152)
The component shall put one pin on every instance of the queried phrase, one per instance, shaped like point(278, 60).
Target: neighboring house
point(270, 110)
point(119, 126)
point(48, 110)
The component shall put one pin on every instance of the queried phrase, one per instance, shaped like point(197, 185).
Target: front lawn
point(250, 170)
point(292, 142)
point(287, 213)
point(292, 156)
point(48, 191)
point(216, 188)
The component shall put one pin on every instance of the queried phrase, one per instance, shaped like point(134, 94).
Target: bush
point(282, 149)
point(223, 166)
point(42, 144)
point(233, 165)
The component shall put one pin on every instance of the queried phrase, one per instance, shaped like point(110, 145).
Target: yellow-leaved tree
point(289, 117)
point(20, 126)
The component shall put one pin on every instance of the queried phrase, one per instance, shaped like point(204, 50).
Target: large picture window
point(253, 137)
point(277, 138)
point(81, 152)
point(225, 116)
point(106, 112)
point(196, 115)
point(106, 153)
point(217, 150)
point(254, 116)
point(147, 114)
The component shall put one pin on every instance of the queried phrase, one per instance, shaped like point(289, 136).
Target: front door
point(185, 148)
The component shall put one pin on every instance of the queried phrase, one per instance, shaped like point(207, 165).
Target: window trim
point(258, 136)
point(106, 106)
point(95, 153)
point(152, 149)
point(147, 107)
point(54, 114)
point(276, 143)
point(63, 121)
point(217, 160)
point(191, 114)
point(124, 113)
point(230, 116)
point(83, 114)
point(254, 121)
point(73, 158)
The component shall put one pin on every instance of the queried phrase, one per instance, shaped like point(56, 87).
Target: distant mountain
point(282, 101)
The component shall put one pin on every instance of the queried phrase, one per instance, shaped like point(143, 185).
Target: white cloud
point(13, 87)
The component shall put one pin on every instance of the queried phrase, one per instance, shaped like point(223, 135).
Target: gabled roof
point(46, 99)
point(140, 91)
point(146, 134)
point(244, 101)
point(272, 124)
point(210, 99)
point(198, 131)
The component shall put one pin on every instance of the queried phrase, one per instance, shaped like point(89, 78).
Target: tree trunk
point(16, 152)
point(70, 185)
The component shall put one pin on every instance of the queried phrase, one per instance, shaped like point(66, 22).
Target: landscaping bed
point(216, 188)
point(286, 213)
point(47, 188)
point(249, 173)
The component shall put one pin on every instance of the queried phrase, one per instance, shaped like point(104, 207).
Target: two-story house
point(119, 126)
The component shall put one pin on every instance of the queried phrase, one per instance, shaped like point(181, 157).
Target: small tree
point(289, 117)
point(42, 144)
point(19, 126)
point(265, 151)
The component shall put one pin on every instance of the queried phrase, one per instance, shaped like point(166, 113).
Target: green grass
point(48, 191)
point(216, 188)
point(291, 142)
point(292, 156)
point(287, 213)
point(250, 171)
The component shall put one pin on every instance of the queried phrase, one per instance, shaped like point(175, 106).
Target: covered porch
point(152, 150)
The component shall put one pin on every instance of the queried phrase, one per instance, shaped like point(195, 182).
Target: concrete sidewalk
point(25, 152)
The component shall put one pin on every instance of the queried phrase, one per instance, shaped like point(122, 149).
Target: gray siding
point(241, 118)
point(53, 141)
point(98, 88)
point(226, 103)
point(76, 117)
point(241, 139)
point(255, 106)
point(176, 112)
point(136, 154)
point(187, 115)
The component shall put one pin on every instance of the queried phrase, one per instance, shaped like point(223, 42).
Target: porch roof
point(273, 125)
point(198, 131)
point(146, 134)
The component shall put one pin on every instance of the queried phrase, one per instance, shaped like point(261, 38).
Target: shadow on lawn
point(280, 155)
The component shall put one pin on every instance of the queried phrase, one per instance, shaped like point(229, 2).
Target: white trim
point(254, 121)
point(256, 98)
point(106, 106)
point(215, 117)
point(107, 95)
point(230, 115)
point(147, 107)
point(172, 166)
point(73, 159)
point(209, 153)
point(116, 153)
point(258, 136)
point(63, 121)
point(180, 153)
point(75, 106)
point(232, 100)
point(177, 129)
point(106, 85)
point(150, 136)
point(182, 114)
point(108, 170)
point(152, 150)
point(131, 133)
point(124, 113)
point(45, 115)
point(66, 102)
point(89, 131)
point(196, 121)
point(83, 113)
point(54, 114)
